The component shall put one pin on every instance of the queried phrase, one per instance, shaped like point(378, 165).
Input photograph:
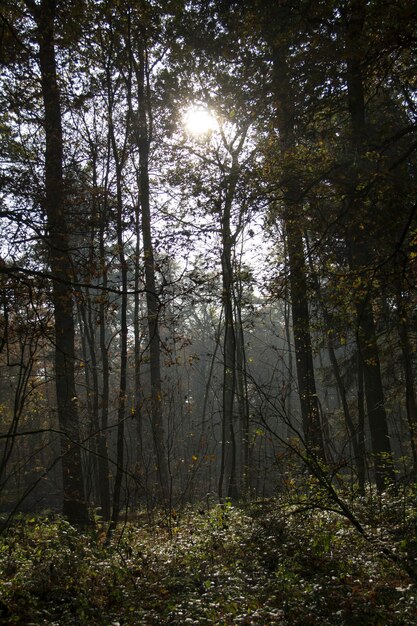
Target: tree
point(281, 37)
point(144, 139)
point(354, 17)
point(75, 506)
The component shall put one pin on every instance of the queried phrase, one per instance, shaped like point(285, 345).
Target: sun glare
point(199, 121)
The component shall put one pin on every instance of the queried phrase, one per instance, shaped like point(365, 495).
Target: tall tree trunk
point(410, 394)
point(143, 141)
point(74, 504)
point(284, 119)
point(287, 388)
point(137, 347)
point(228, 470)
point(100, 425)
point(354, 17)
point(361, 426)
point(104, 471)
point(329, 334)
point(242, 396)
point(228, 461)
point(90, 468)
point(350, 426)
point(121, 405)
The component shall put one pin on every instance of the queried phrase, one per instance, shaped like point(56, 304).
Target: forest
point(208, 312)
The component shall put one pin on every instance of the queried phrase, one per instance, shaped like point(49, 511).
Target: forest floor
point(271, 562)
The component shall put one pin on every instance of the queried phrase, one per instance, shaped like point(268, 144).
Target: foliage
point(274, 562)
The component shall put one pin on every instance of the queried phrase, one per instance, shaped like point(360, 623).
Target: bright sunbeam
point(199, 121)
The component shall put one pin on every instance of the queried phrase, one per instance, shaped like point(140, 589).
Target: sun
point(198, 120)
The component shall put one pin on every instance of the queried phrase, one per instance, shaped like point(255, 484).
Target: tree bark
point(137, 347)
point(228, 468)
point(242, 396)
point(354, 17)
point(100, 425)
point(410, 394)
point(228, 460)
point(329, 334)
point(152, 301)
point(104, 471)
point(361, 426)
point(74, 504)
point(285, 124)
point(121, 404)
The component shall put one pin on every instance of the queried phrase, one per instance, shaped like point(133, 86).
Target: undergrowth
point(272, 562)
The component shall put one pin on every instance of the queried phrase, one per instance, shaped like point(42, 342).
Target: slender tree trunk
point(99, 440)
point(121, 405)
point(96, 351)
point(137, 347)
point(310, 410)
point(284, 119)
point(354, 17)
point(350, 426)
point(74, 505)
point(133, 69)
point(95, 325)
point(229, 371)
point(20, 395)
point(152, 301)
point(242, 395)
point(90, 468)
point(228, 451)
point(287, 389)
point(374, 395)
point(329, 333)
point(104, 471)
point(209, 378)
point(410, 394)
point(361, 427)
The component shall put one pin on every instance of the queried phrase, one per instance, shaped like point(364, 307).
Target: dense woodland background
point(220, 315)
